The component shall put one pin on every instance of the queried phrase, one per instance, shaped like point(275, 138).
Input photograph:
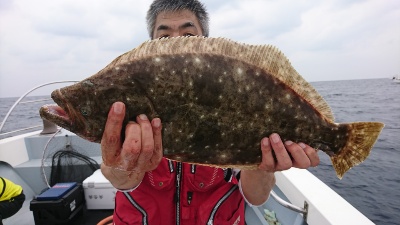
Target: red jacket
point(184, 194)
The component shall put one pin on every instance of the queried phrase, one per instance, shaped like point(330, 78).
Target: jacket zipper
point(178, 192)
point(138, 207)
point(219, 203)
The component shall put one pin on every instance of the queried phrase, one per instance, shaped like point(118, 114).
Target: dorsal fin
point(266, 57)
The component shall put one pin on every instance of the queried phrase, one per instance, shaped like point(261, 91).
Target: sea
point(373, 187)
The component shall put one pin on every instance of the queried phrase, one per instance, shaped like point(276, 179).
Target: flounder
point(216, 98)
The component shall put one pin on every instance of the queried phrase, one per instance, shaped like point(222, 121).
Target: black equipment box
point(50, 208)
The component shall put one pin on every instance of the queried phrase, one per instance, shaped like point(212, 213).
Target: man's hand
point(276, 156)
point(287, 155)
point(124, 164)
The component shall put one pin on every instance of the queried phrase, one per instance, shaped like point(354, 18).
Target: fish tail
point(361, 138)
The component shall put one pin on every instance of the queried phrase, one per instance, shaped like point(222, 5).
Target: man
point(11, 198)
point(155, 190)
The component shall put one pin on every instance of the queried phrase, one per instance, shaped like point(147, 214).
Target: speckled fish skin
point(215, 109)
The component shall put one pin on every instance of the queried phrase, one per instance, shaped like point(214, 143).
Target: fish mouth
point(58, 113)
point(63, 114)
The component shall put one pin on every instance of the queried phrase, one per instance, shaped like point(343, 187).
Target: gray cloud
point(46, 40)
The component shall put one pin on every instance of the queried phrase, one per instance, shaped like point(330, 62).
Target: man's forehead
point(176, 15)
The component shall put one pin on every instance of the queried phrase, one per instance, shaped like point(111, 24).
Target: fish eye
point(85, 111)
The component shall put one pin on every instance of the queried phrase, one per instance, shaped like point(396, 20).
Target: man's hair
point(196, 7)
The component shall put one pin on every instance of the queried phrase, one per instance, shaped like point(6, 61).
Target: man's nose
point(175, 34)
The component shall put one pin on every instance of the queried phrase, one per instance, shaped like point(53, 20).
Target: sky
point(51, 40)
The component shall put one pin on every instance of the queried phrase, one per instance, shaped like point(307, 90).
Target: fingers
point(300, 159)
point(111, 140)
point(132, 145)
point(158, 149)
point(311, 153)
point(124, 164)
point(147, 139)
point(268, 158)
point(278, 156)
point(284, 161)
point(142, 148)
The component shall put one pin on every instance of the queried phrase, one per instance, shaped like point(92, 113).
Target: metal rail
point(19, 101)
point(19, 130)
point(290, 206)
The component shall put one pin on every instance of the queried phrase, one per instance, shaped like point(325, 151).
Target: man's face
point(177, 23)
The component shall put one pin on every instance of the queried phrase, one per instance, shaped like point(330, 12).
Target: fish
point(217, 98)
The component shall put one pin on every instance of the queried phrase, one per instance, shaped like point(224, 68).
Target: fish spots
point(298, 130)
point(223, 157)
point(239, 71)
point(197, 60)
point(157, 59)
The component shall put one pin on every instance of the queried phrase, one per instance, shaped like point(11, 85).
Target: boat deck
point(88, 217)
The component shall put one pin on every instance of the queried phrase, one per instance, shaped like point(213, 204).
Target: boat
point(298, 198)
point(396, 79)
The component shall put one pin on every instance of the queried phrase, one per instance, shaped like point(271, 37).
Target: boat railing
point(290, 206)
point(47, 126)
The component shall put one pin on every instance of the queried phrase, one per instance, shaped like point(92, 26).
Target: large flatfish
point(216, 98)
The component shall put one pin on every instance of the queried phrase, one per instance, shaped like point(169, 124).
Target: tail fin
point(361, 137)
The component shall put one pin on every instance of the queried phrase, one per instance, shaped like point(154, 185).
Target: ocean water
point(372, 187)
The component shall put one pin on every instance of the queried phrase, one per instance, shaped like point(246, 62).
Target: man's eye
point(164, 36)
point(188, 35)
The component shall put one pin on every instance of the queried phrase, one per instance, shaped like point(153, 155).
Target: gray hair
point(194, 6)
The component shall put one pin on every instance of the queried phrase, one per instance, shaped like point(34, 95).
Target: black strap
point(4, 187)
point(228, 174)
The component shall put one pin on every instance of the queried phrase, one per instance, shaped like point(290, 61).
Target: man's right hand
point(124, 164)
